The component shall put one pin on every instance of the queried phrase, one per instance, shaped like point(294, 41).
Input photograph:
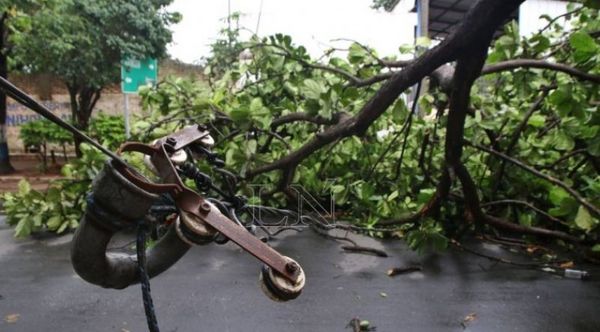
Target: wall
point(52, 93)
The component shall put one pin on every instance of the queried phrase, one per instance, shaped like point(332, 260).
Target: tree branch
point(497, 222)
point(540, 64)
point(591, 208)
point(514, 139)
point(301, 116)
point(524, 203)
point(480, 21)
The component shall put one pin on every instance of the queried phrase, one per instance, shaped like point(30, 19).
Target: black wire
point(144, 279)
point(24, 99)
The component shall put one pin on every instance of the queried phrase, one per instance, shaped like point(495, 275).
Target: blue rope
point(144, 279)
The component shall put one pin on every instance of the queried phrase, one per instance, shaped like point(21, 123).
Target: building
point(437, 18)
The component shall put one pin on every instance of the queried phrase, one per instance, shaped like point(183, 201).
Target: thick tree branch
point(468, 68)
point(497, 222)
point(466, 72)
point(478, 24)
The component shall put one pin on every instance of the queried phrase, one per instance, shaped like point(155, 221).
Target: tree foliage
point(508, 144)
point(60, 207)
point(530, 160)
point(84, 41)
point(12, 17)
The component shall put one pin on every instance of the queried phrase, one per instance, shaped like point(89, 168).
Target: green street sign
point(137, 73)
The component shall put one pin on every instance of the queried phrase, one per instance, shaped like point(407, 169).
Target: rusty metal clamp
point(196, 208)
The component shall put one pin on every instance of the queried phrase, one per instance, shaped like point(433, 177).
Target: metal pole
point(422, 31)
point(423, 18)
point(127, 116)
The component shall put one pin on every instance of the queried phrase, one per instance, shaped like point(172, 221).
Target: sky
point(312, 23)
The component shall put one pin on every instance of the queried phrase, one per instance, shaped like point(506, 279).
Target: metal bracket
point(194, 204)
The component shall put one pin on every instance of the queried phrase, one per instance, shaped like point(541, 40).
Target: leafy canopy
point(83, 41)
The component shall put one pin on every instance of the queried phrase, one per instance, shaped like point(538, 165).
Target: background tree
point(12, 17)
point(5, 12)
point(225, 51)
point(83, 42)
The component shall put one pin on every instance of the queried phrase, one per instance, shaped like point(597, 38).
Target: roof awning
point(445, 15)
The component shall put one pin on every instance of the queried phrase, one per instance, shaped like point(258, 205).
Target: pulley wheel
point(193, 232)
point(277, 287)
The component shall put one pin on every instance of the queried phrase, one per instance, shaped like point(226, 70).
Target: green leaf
point(425, 195)
point(53, 223)
point(250, 148)
point(537, 120)
point(240, 114)
point(62, 227)
point(584, 220)
point(596, 248)
point(584, 45)
point(23, 227)
point(24, 187)
point(565, 205)
point(583, 42)
point(312, 89)
point(393, 195)
point(356, 53)
point(563, 142)
point(594, 147)
point(557, 194)
point(562, 100)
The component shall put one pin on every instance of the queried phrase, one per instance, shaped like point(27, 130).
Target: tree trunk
point(5, 166)
point(83, 100)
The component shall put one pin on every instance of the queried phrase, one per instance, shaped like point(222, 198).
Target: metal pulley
point(279, 288)
point(201, 222)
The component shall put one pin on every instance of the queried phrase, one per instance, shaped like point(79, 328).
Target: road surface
point(215, 288)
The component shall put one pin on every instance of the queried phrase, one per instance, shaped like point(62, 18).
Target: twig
point(538, 231)
point(594, 210)
point(402, 270)
point(539, 64)
point(565, 157)
point(326, 234)
point(494, 258)
point(574, 11)
point(361, 249)
point(409, 126)
point(529, 205)
point(514, 139)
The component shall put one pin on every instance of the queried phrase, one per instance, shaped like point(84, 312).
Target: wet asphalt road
point(215, 288)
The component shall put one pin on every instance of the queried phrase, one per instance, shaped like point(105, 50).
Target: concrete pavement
point(215, 288)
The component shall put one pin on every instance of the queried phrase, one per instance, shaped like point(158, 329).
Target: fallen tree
point(300, 121)
point(505, 138)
